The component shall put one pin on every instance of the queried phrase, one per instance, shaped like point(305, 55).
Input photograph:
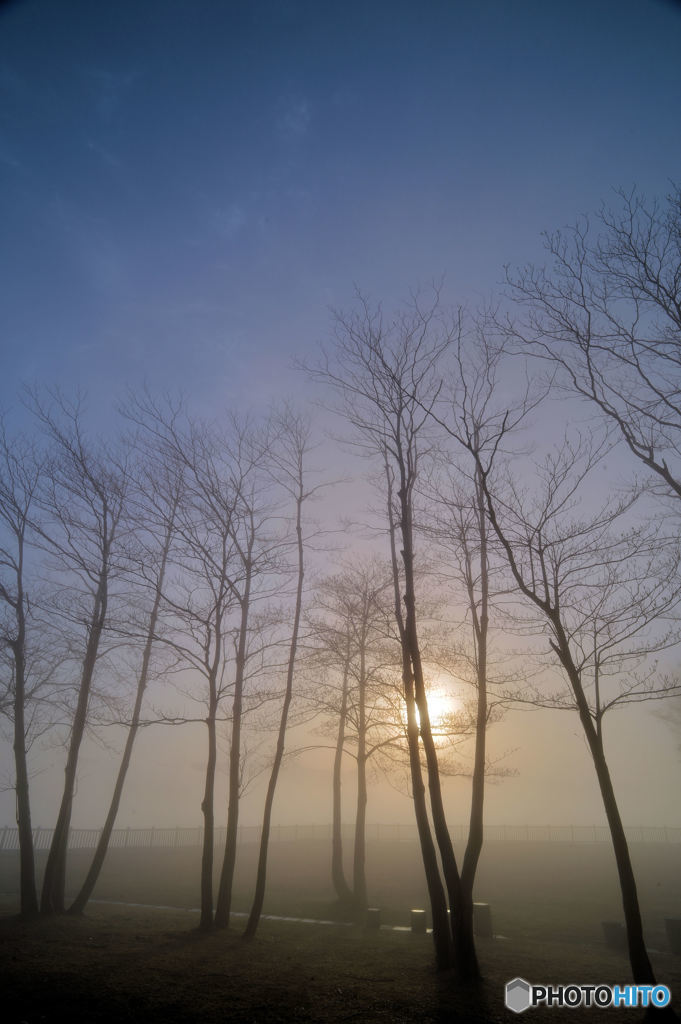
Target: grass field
point(138, 964)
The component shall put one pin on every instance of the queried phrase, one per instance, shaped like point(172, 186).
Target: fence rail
point(173, 838)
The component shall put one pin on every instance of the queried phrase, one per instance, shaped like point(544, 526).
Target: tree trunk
point(207, 808)
point(444, 842)
point(81, 900)
point(462, 914)
point(641, 968)
point(261, 877)
point(54, 881)
point(223, 908)
point(359, 882)
point(442, 934)
point(342, 888)
point(29, 895)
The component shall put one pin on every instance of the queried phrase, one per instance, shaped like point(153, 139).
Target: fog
point(553, 784)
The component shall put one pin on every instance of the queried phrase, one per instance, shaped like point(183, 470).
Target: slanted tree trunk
point(641, 967)
point(81, 900)
point(442, 935)
point(261, 877)
point(54, 880)
point(444, 842)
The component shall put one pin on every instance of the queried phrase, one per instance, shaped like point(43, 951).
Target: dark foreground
point(123, 964)
point(132, 964)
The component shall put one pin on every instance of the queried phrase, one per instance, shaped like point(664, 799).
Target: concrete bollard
point(418, 922)
point(482, 920)
point(373, 918)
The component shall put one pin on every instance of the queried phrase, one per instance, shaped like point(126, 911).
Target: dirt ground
point(141, 964)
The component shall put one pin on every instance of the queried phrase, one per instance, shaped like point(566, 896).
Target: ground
point(129, 964)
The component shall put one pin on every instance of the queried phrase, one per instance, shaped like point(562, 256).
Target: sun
point(443, 705)
point(440, 706)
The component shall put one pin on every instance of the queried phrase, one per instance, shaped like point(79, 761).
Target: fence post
point(151, 836)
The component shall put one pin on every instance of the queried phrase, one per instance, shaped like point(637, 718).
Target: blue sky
point(186, 186)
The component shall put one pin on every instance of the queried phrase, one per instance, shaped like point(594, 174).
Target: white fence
point(173, 838)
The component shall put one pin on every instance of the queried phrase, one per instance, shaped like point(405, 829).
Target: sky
point(188, 187)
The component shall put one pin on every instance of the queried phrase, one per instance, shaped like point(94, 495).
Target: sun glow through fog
point(444, 705)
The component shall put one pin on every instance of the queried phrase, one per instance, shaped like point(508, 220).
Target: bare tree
point(287, 456)
point(606, 315)
point(156, 498)
point(386, 374)
point(81, 500)
point(602, 593)
point(202, 589)
point(258, 546)
point(20, 469)
point(227, 544)
point(456, 511)
point(355, 642)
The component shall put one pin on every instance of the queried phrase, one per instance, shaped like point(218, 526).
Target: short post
point(418, 922)
point(482, 920)
point(373, 918)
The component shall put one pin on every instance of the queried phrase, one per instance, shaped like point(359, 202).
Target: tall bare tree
point(258, 547)
point(386, 374)
point(457, 511)
point(201, 593)
point(20, 469)
point(156, 498)
point(287, 456)
point(226, 545)
point(602, 592)
point(81, 500)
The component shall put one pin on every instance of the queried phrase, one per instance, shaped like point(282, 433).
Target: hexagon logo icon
point(517, 995)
